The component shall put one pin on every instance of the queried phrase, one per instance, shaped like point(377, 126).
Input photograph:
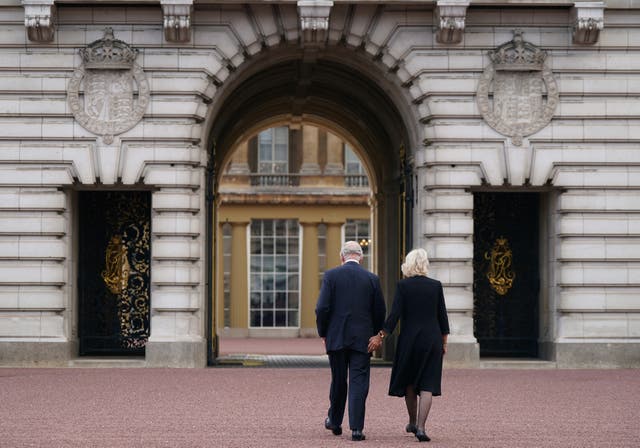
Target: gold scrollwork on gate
point(500, 274)
point(117, 268)
point(127, 270)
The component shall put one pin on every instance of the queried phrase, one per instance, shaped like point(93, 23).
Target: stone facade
point(403, 79)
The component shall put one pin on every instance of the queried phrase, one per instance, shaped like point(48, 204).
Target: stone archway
point(339, 89)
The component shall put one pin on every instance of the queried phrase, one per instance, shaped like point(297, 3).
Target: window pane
point(267, 282)
point(281, 299)
point(293, 246)
point(256, 263)
point(256, 228)
point(293, 282)
point(267, 300)
point(281, 153)
point(267, 263)
point(256, 283)
point(282, 135)
point(267, 245)
point(293, 319)
point(281, 263)
point(281, 318)
point(255, 300)
point(255, 319)
point(292, 300)
point(281, 282)
point(267, 318)
point(267, 228)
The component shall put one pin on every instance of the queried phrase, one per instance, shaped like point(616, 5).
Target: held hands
point(375, 342)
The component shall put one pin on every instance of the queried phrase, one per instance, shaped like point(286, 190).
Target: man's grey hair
point(351, 250)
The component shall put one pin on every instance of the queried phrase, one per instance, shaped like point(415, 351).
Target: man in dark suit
point(349, 311)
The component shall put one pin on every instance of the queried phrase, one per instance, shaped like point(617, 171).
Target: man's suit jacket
point(350, 307)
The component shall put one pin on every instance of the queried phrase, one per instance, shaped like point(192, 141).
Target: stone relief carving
point(588, 21)
point(177, 20)
point(517, 94)
point(102, 91)
point(451, 15)
point(314, 19)
point(39, 19)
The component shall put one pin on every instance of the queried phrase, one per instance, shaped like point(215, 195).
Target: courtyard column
point(239, 276)
point(309, 282)
point(335, 156)
point(239, 164)
point(310, 164)
point(334, 244)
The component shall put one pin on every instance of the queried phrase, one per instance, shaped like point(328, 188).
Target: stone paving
point(284, 407)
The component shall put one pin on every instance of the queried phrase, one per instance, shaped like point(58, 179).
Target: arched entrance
point(335, 88)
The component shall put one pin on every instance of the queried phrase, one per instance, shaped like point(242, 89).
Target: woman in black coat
point(417, 367)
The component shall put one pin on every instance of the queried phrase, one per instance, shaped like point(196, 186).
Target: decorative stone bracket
point(177, 20)
point(314, 20)
point(39, 19)
point(451, 15)
point(588, 21)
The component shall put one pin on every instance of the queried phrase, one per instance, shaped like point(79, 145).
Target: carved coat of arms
point(517, 95)
point(109, 93)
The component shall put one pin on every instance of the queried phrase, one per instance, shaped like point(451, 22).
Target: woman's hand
point(444, 348)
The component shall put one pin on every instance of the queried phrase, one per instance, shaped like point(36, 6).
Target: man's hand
point(374, 343)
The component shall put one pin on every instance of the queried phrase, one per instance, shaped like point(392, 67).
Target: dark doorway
point(506, 273)
point(114, 272)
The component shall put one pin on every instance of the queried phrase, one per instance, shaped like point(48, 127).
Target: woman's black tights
point(418, 412)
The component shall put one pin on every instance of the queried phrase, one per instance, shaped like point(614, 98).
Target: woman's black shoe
point(422, 436)
point(411, 428)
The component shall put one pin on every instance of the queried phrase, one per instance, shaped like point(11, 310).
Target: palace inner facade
point(173, 172)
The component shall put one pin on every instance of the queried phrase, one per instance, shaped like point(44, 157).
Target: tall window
point(275, 273)
point(358, 230)
point(355, 175)
point(273, 151)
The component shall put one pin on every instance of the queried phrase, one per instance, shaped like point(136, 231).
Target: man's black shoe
point(336, 430)
point(356, 435)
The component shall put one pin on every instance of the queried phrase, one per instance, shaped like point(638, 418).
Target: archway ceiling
point(331, 92)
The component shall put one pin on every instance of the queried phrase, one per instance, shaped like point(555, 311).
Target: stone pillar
point(239, 164)
point(309, 282)
point(310, 150)
point(334, 244)
point(239, 279)
point(335, 156)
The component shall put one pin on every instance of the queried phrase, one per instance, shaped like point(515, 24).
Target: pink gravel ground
point(260, 407)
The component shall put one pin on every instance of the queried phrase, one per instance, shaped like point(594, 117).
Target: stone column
point(335, 156)
point(334, 243)
point(310, 164)
point(239, 164)
point(239, 279)
point(309, 283)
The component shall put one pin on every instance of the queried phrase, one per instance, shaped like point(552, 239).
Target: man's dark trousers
point(357, 366)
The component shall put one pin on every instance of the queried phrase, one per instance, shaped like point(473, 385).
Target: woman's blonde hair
point(416, 263)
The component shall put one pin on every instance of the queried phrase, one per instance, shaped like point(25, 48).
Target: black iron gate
point(114, 272)
point(506, 273)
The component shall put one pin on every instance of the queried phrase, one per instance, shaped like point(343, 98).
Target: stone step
point(97, 363)
point(516, 363)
